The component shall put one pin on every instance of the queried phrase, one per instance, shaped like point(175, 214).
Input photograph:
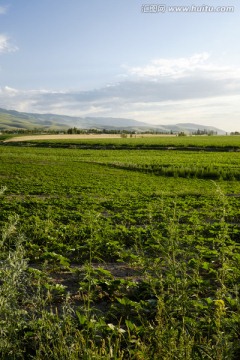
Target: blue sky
point(119, 58)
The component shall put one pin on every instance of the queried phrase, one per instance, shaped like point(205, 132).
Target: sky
point(163, 62)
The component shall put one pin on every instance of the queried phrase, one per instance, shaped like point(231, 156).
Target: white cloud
point(170, 67)
point(10, 91)
point(5, 45)
point(3, 10)
point(195, 65)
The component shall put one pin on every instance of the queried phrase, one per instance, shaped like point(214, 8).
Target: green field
point(120, 249)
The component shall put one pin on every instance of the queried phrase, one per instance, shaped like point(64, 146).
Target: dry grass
point(63, 137)
point(78, 136)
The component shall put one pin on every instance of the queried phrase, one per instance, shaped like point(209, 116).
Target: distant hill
point(11, 120)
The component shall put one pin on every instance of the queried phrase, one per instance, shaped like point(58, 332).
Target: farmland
point(120, 248)
point(135, 142)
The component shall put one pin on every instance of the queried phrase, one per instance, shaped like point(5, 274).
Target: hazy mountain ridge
point(12, 119)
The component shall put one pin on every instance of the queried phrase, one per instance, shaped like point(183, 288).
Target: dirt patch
point(70, 280)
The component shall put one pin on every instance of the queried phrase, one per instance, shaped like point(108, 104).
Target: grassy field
point(115, 253)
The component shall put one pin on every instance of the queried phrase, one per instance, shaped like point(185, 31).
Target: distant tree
point(123, 135)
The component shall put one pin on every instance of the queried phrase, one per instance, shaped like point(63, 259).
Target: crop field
point(120, 249)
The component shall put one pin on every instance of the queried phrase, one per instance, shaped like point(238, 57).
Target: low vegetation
point(119, 254)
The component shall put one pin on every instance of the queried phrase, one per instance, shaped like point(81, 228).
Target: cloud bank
point(164, 91)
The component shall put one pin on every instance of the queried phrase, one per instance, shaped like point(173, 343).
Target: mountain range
point(14, 120)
